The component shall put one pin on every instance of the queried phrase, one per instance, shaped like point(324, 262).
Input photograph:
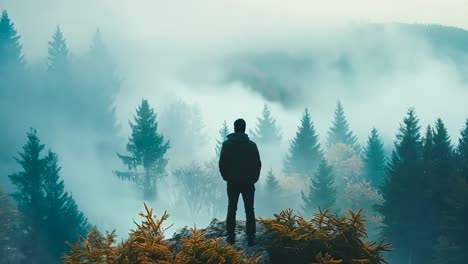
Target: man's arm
point(223, 162)
point(257, 163)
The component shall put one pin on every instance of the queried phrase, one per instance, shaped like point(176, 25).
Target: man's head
point(239, 126)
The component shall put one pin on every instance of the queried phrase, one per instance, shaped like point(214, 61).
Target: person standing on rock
point(240, 165)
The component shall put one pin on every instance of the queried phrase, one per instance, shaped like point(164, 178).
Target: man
point(240, 165)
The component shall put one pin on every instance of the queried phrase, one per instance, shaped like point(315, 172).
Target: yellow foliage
point(196, 249)
point(325, 239)
point(146, 245)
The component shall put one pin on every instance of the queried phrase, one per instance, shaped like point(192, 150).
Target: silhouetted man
point(240, 165)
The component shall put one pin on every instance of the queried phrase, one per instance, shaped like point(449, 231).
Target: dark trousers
point(248, 193)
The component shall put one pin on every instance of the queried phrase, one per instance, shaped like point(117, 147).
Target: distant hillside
point(350, 57)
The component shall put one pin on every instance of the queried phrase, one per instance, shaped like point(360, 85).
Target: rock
point(217, 228)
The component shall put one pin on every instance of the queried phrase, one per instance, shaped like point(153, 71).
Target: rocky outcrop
point(217, 228)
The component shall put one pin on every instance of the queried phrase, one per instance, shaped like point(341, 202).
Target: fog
point(222, 57)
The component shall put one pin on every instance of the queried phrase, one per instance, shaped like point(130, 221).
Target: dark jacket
point(239, 161)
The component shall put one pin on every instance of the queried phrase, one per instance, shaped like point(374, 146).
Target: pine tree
point(462, 152)
point(272, 185)
point(272, 194)
point(147, 149)
point(428, 144)
point(266, 132)
point(51, 217)
point(10, 47)
point(374, 159)
point(223, 133)
point(438, 172)
point(102, 65)
point(29, 195)
point(29, 198)
point(402, 192)
point(96, 86)
point(456, 214)
point(450, 196)
point(59, 55)
point(304, 152)
point(65, 222)
point(340, 131)
point(322, 192)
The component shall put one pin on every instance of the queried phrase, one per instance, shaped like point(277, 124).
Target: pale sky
point(212, 22)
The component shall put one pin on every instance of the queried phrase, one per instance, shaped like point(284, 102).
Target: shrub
point(146, 245)
point(325, 239)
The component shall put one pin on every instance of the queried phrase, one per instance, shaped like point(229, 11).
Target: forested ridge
point(414, 197)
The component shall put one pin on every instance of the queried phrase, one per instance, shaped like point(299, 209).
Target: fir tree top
point(462, 151)
point(408, 140)
point(322, 191)
point(267, 131)
point(10, 47)
point(98, 47)
point(428, 143)
point(340, 131)
point(223, 133)
point(272, 184)
point(145, 143)
point(374, 158)
point(59, 57)
point(463, 142)
point(442, 145)
point(304, 152)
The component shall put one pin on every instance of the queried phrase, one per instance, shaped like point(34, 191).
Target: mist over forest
point(346, 115)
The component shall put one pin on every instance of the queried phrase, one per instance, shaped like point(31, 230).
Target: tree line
point(417, 197)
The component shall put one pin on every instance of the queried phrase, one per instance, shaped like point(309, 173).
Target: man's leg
point(248, 195)
point(233, 197)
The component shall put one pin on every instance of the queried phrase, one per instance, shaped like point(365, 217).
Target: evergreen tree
point(322, 192)
point(438, 172)
point(266, 132)
point(304, 152)
point(51, 217)
point(272, 185)
point(455, 213)
point(402, 192)
point(10, 48)
point(65, 222)
point(340, 131)
point(102, 70)
point(374, 159)
point(428, 144)
point(97, 84)
point(272, 194)
point(223, 133)
point(30, 197)
point(59, 55)
point(462, 152)
point(147, 149)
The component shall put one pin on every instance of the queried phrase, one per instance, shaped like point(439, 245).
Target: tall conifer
point(322, 192)
point(304, 152)
point(223, 133)
point(340, 131)
point(266, 132)
point(11, 56)
point(402, 192)
point(146, 149)
point(374, 159)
